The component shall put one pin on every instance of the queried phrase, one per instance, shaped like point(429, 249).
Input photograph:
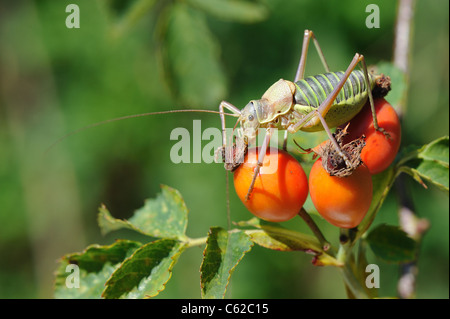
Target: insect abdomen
point(313, 90)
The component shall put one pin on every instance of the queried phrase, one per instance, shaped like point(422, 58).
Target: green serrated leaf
point(107, 223)
point(95, 256)
point(433, 172)
point(193, 57)
point(94, 266)
point(283, 241)
point(233, 10)
point(391, 244)
point(162, 217)
point(436, 151)
point(91, 284)
point(145, 273)
point(222, 253)
point(429, 163)
point(273, 236)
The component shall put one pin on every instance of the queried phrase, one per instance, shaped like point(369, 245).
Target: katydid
point(314, 103)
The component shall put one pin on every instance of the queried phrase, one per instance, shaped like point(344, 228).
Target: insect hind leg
point(307, 36)
point(371, 102)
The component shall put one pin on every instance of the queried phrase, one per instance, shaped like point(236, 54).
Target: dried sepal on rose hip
point(333, 163)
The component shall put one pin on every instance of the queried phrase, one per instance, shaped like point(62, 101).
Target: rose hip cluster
point(342, 200)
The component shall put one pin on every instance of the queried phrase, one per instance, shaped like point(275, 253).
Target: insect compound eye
point(249, 111)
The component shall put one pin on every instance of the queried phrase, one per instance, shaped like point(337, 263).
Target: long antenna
point(130, 117)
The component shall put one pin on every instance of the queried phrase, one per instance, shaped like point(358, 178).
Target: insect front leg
point(222, 106)
point(228, 153)
point(261, 155)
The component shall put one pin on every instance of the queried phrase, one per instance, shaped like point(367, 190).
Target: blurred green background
point(142, 56)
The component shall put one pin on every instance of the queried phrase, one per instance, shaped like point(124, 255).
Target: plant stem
point(344, 256)
point(352, 283)
point(315, 229)
point(192, 242)
point(409, 222)
point(345, 245)
point(402, 43)
point(348, 275)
